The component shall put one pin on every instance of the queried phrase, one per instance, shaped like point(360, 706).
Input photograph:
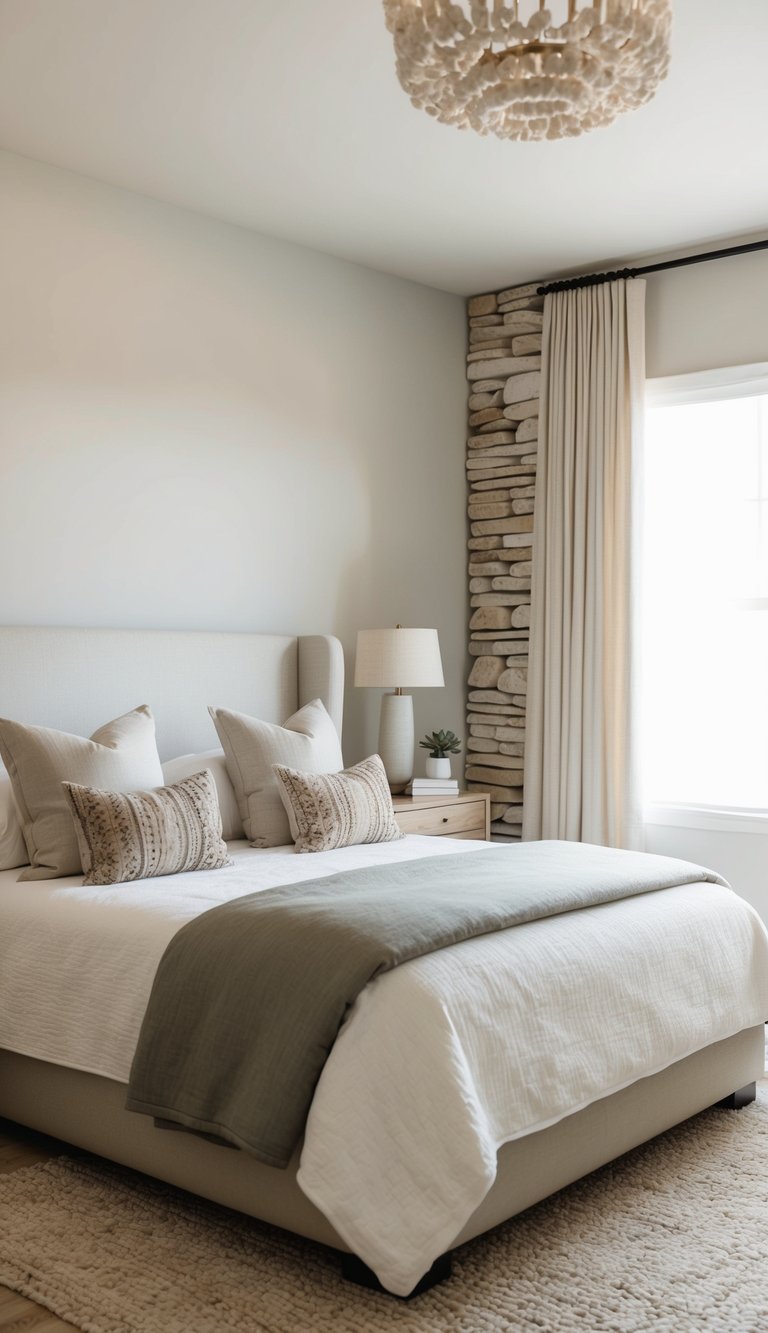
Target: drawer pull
point(445, 819)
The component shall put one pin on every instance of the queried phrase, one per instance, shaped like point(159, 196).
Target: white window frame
point(707, 386)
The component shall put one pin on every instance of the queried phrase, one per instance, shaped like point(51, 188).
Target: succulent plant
point(440, 744)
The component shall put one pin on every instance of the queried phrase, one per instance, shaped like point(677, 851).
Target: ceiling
point(286, 117)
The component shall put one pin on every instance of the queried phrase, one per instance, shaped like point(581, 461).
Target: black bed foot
point(354, 1270)
point(742, 1097)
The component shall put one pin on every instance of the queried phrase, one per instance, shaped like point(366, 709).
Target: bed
point(587, 1084)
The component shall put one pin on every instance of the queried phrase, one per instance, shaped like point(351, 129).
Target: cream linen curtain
point(580, 780)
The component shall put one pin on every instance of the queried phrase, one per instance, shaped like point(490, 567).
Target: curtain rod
point(595, 279)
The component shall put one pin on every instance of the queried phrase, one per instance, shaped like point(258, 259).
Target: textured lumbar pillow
point(338, 809)
point(307, 741)
point(137, 835)
point(120, 756)
point(188, 764)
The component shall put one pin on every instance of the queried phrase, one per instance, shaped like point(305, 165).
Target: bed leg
point(742, 1097)
point(354, 1270)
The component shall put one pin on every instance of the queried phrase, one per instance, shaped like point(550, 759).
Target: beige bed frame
point(76, 680)
point(88, 1111)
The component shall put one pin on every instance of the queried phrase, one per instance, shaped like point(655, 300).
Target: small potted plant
point(440, 744)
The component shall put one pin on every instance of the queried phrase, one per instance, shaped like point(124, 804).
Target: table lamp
point(397, 659)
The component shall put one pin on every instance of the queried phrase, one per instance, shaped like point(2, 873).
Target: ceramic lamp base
point(396, 739)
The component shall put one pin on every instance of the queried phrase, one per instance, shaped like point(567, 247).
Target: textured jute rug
point(674, 1236)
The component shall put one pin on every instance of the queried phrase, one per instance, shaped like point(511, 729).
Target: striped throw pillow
point(141, 834)
point(327, 810)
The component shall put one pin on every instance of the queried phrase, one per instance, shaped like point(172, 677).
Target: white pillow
point(13, 849)
point(121, 756)
point(308, 741)
point(188, 764)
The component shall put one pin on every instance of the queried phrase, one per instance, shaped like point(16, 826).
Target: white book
point(434, 789)
point(448, 788)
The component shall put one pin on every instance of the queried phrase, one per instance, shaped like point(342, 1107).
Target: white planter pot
point(439, 768)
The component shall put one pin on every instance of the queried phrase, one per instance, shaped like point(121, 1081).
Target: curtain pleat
point(580, 757)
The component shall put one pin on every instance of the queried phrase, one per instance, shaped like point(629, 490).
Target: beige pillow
point(188, 764)
point(141, 834)
point(13, 849)
point(338, 809)
point(120, 756)
point(307, 741)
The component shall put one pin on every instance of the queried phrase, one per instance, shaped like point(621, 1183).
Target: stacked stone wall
point(504, 372)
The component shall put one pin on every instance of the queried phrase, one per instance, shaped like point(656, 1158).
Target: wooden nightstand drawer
point(460, 817)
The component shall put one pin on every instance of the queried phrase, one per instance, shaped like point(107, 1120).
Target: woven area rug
point(674, 1236)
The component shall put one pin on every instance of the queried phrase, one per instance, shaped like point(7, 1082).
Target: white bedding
point(440, 1061)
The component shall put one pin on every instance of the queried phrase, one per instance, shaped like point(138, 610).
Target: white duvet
point(440, 1061)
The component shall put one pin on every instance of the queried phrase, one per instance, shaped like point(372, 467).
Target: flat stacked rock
point(504, 372)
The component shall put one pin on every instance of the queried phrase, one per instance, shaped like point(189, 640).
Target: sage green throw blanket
point(249, 996)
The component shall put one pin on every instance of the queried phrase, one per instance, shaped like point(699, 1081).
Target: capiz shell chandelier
point(520, 71)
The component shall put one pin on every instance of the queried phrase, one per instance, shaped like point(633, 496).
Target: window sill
point(709, 819)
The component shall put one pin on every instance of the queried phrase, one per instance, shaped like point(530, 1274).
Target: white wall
point(708, 315)
point(700, 318)
point(203, 428)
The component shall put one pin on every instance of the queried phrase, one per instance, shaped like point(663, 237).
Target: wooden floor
point(21, 1147)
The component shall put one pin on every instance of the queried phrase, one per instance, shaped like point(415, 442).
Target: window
point(704, 635)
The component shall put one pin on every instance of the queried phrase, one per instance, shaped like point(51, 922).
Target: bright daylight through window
point(704, 637)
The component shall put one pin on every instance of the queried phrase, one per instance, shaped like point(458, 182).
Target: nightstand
point(467, 815)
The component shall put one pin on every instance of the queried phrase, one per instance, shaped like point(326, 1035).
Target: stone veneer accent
point(504, 373)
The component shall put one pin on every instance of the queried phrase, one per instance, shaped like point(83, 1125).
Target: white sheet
point(440, 1061)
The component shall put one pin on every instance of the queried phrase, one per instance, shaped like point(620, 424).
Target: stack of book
point(432, 787)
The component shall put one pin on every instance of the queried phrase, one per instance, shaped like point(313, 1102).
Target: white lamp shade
point(398, 658)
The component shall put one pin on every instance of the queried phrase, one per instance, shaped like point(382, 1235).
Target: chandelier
point(520, 71)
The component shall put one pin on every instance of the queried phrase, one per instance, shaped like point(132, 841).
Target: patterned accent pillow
point(188, 764)
point(141, 834)
point(327, 810)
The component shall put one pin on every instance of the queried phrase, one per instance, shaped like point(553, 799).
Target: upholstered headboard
point(77, 679)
